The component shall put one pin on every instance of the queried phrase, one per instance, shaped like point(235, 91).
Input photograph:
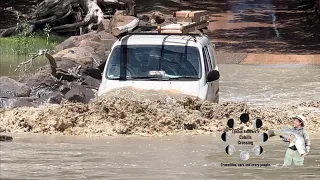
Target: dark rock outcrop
point(5, 138)
point(11, 87)
point(74, 71)
point(93, 72)
point(41, 84)
point(80, 94)
point(91, 82)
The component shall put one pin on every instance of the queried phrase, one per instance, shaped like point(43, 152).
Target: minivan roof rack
point(185, 23)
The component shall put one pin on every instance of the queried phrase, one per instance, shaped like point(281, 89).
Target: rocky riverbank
point(76, 74)
point(74, 71)
point(61, 100)
point(140, 112)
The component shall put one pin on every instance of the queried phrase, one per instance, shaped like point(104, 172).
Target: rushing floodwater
point(178, 157)
point(269, 85)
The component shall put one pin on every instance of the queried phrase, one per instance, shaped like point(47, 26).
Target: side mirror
point(213, 75)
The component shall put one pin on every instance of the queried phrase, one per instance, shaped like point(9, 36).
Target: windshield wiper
point(183, 77)
point(143, 78)
point(165, 78)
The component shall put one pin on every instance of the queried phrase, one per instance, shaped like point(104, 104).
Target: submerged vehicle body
point(179, 62)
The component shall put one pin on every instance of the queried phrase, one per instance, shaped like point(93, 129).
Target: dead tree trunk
point(66, 15)
point(55, 12)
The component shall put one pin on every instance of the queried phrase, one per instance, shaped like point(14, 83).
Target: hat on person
point(301, 118)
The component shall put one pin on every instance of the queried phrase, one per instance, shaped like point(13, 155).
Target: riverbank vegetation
point(25, 43)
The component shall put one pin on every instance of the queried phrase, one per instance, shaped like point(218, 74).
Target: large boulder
point(88, 50)
point(75, 41)
point(83, 56)
point(91, 82)
point(98, 47)
point(105, 35)
point(104, 25)
point(80, 94)
point(38, 79)
point(67, 63)
point(41, 84)
point(80, 55)
point(11, 87)
point(95, 73)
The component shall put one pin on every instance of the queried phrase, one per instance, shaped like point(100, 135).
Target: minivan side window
point(208, 58)
point(206, 66)
point(211, 51)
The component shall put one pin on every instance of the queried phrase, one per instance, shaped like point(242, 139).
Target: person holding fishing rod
point(292, 153)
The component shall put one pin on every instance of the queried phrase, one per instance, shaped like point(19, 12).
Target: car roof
point(159, 39)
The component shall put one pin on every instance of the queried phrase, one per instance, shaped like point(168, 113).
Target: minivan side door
point(208, 68)
point(215, 84)
point(213, 55)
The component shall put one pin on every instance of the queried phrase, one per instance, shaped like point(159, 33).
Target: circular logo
point(244, 118)
point(230, 149)
point(257, 123)
point(225, 136)
point(257, 150)
point(244, 155)
point(244, 139)
point(263, 137)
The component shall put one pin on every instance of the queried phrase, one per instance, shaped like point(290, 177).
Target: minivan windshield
point(154, 61)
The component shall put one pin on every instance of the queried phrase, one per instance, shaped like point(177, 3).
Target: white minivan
point(178, 62)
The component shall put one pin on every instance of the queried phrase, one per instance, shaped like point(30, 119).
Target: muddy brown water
point(181, 157)
point(169, 157)
point(9, 65)
point(175, 157)
point(270, 85)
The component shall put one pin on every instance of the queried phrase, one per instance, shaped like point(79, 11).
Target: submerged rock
point(14, 102)
point(41, 84)
point(5, 138)
point(80, 94)
point(91, 83)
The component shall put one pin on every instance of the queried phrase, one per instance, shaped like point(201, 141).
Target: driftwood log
point(69, 15)
point(116, 31)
